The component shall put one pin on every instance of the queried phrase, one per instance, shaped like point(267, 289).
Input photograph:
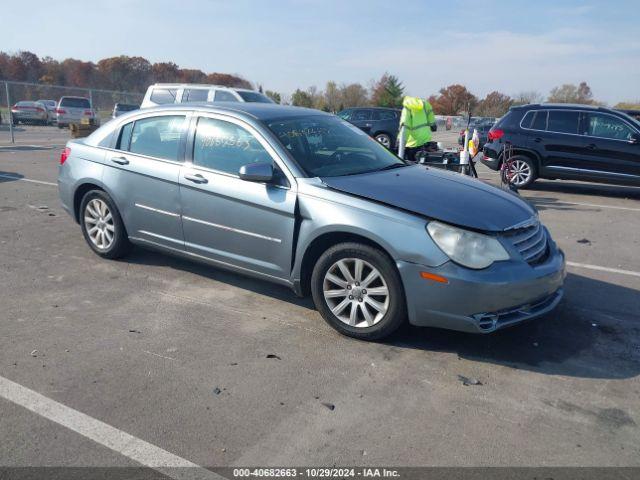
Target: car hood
point(438, 194)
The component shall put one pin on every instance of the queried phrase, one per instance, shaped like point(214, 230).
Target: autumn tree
point(275, 96)
point(300, 98)
point(354, 95)
point(527, 98)
point(627, 105)
point(164, 72)
point(333, 97)
point(453, 100)
point(387, 92)
point(495, 104)
point(569, 93)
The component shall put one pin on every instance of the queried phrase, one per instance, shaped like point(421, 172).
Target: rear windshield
point(126, 108)
point(75, 102)
point(25, 104)
point(254, 97)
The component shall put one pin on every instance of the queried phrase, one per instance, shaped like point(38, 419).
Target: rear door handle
point(592, 146)
point(537, 140)
point(120, 160)
point(195, 178)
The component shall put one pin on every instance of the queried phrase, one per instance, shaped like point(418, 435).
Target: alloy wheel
point(356, 292)
point(384, 140)
point(99, 223)
point(519, 173)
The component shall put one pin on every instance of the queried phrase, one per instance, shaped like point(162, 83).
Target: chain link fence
point(102, 101)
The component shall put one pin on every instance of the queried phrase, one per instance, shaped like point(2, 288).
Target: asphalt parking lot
point(217, 369)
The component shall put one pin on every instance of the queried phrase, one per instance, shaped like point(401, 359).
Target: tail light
point(496, 134)
point(88, 112)
point(64, 155)
point(61, 111)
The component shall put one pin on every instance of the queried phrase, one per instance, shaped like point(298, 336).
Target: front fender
point(402, 235)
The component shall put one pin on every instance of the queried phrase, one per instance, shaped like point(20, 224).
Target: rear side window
point(195, 95)
point(527, 119)
point(158, 136)
point(255, 97)
point(383, 115)
point(361, 115)
point(224, 96)
point(75, 102)
point(225, 146)
point(562, 121)
point(162, 96)
point(540, 120)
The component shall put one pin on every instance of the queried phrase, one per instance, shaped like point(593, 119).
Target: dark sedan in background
point(380, 123)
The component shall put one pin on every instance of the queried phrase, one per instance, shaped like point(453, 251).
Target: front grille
point(531, 242)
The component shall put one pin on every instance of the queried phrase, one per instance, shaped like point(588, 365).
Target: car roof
point(200, 85)
point(259, 111)
point(570, 106)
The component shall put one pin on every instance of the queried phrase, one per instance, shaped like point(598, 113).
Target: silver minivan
point(74, 110)
point(167, 93)
point(304, 199)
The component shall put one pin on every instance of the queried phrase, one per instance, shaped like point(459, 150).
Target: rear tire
point(102, 226)
point(524, 171)
point(384, 140)
point(358, 291)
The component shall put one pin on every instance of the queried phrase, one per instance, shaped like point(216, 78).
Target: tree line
point(135, 74)
point(122, 73)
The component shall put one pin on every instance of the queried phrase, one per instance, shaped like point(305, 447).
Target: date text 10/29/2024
point(315, 473)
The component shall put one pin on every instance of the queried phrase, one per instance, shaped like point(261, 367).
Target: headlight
point(473, 250)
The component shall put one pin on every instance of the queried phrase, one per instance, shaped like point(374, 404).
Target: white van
point(165, 93)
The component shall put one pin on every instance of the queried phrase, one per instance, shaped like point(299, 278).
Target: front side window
point(162, 96)
point(562, 121)
point(607, 126)
point(195, 95)
point(225, 146)
point(384, 115)
point(158, 136)
point(326, 146)
point(224, 96)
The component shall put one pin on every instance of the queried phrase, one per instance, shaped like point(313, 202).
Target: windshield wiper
point(391, 167)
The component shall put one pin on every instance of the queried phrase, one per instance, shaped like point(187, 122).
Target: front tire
point(102, 226)
point(358, 291)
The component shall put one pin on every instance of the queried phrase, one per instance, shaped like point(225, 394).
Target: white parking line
point(22, 179)
point(604, 269)
point(592, 205)
point(121, 442)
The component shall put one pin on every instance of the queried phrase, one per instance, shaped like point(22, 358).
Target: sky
point(509, 46)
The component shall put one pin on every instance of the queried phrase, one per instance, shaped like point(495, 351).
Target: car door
point(142, 175)
point(554, 135)
point(228, 220)
point(612, 149)
point(362, 118)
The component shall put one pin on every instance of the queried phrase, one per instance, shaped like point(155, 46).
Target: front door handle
point(120, 160)
point(537, 140)
point(592, 146)
point(195, 178)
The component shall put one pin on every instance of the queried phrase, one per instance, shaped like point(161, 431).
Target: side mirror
point(257, 172)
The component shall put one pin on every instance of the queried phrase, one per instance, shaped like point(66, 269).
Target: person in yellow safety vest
point(417, 121)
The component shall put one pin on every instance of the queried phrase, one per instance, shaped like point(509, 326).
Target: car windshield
point(326, 146)
point(256, 97)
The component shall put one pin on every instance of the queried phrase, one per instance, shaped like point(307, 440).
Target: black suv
point(380, 123)
point(576, 142)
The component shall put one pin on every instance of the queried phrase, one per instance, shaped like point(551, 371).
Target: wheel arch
point(321, 244)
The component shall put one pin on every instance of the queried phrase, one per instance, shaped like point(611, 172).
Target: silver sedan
point(307, 200)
